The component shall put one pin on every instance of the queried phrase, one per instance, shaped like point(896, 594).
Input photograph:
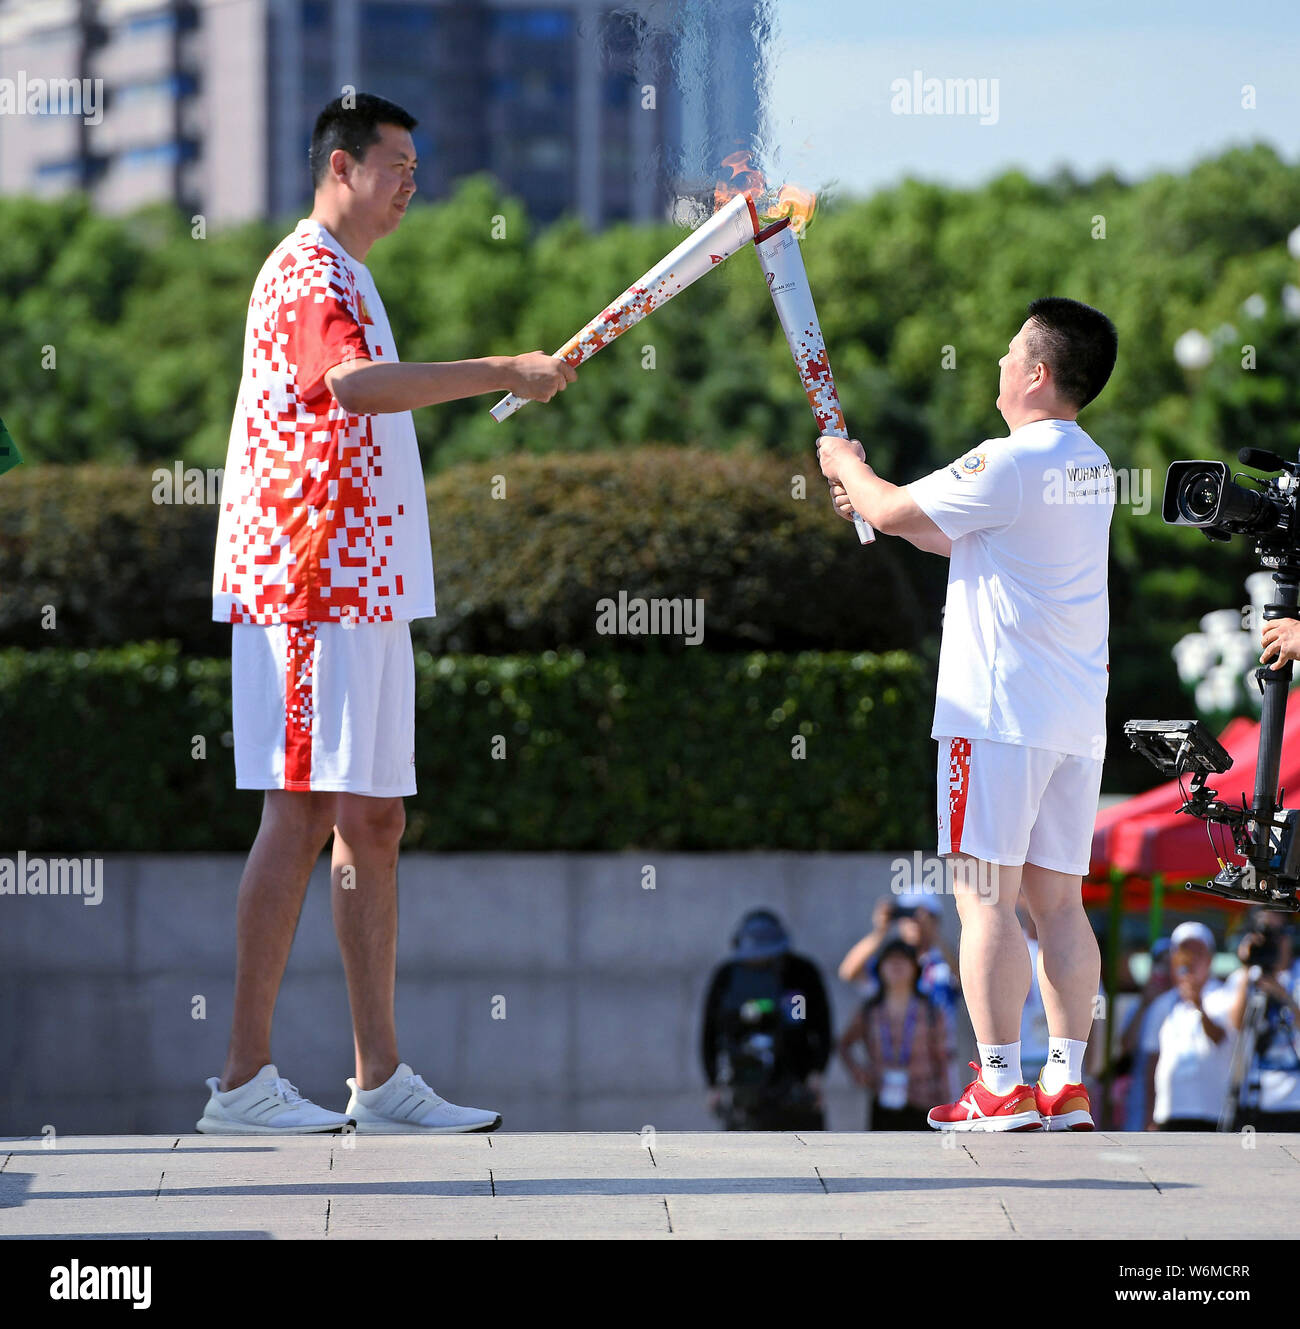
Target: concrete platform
point(654, 1185)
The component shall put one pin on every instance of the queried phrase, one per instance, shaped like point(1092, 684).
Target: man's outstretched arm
point(374, 387)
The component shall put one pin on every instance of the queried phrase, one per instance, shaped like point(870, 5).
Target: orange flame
point(797, 204)
point(746, 178)
point(791, 200)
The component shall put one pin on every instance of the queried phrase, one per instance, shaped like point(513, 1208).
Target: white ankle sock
point(999, 1066)
point(1064, 1063)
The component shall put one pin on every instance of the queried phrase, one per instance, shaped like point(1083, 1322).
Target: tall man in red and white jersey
point(1020, 714)
point(322, 560)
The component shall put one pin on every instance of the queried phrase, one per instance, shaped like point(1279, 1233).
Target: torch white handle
point(866, 532)
point(507, 406)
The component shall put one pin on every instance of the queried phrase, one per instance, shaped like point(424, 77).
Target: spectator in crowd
point(1189, 1038)
point(1131, 1067)
point(915, 920)
point(1270, 1097)
point(766, 1036)
point(905, 1036)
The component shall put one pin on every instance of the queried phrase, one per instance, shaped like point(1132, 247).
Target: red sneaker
point(1067, 1110)
point(980, 1109)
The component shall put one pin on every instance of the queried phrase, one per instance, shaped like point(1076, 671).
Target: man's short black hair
point(1076, 342)
point(352, 123)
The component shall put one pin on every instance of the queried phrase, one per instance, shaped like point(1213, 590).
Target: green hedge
point(521, 572)
point(775, 572)
point(89, 543)
point(687, 751)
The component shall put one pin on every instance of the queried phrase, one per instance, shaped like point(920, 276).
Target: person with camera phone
point(1187, 1038)
point(916, 920)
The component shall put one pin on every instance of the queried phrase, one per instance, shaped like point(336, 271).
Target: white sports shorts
point(324, 707)
point(1009, 804)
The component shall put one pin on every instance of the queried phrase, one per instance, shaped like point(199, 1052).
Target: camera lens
point(1198, 496)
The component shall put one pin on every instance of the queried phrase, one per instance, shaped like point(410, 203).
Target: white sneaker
point(266, 1105)
point(404, 1104)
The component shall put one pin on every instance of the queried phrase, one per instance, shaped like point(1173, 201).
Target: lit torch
point(729, 229)
point(777, 246)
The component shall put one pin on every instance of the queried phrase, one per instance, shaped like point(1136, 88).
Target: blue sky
point(1135, 87)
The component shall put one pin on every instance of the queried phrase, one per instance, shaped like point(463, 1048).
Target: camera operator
point(766, 1037)
point(1271, 1101)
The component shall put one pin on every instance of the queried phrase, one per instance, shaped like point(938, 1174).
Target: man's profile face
point(383, 182)
point(1015, 371)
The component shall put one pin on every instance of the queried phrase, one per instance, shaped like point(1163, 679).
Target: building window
point(397, 22)
point(174, 86)
point(158, 154)
point(546, 154)
point(60, 170)
point(537, 25)
point(141, 24)
point(616, 90)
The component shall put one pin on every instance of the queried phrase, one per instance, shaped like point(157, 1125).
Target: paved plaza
point(670, 1185)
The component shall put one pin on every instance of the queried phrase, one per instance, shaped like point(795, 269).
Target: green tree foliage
point(147, 321)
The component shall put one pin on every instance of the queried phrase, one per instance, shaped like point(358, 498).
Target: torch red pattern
point(627, 311)
point(815, 374)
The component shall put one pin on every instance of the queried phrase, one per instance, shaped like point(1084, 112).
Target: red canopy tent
point(1146, 837)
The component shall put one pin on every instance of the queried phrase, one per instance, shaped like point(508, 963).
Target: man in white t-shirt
point(322, 561)
point(1021, 703)
point(1188, 1038)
